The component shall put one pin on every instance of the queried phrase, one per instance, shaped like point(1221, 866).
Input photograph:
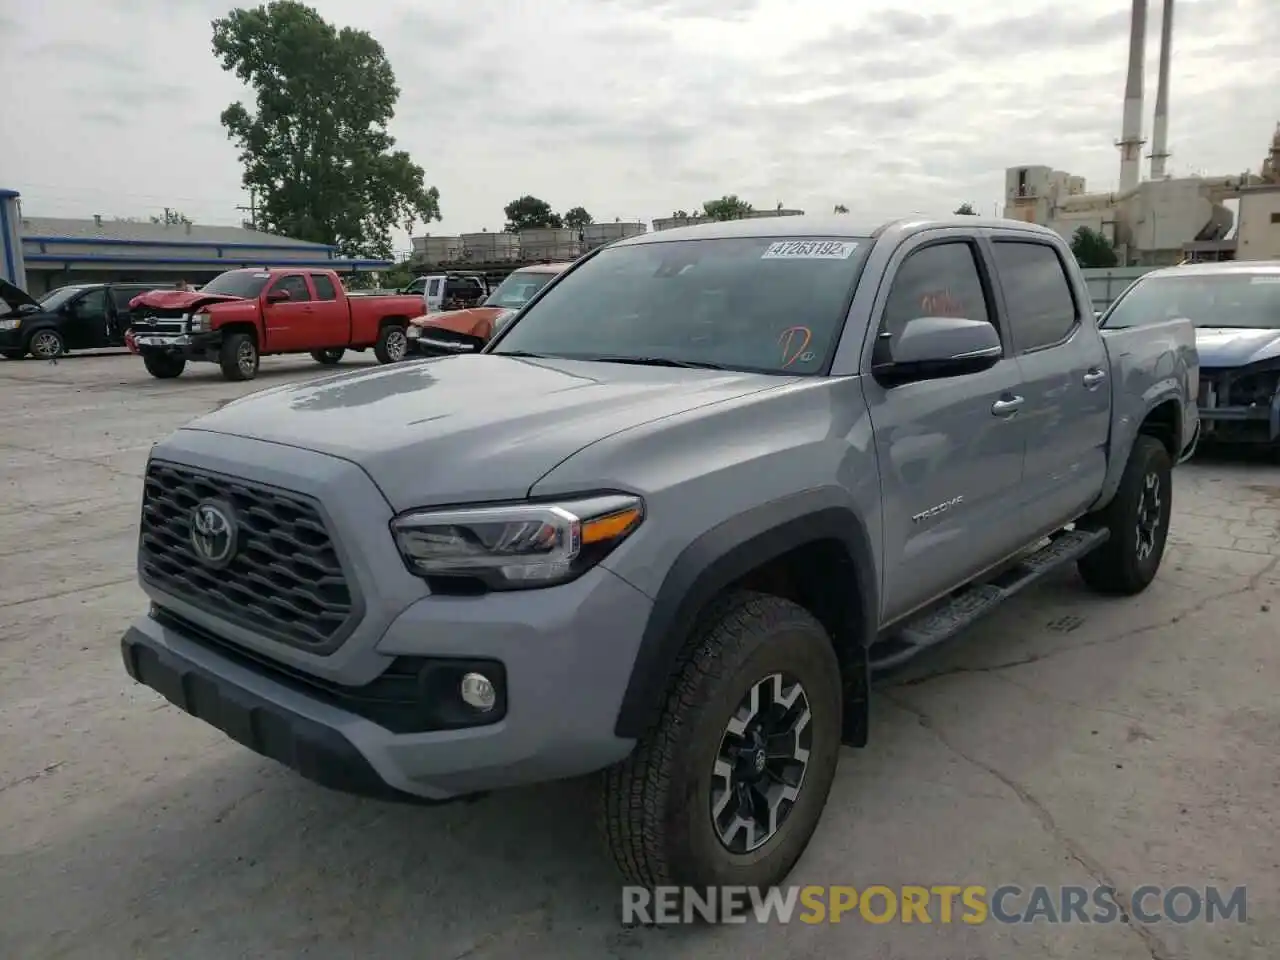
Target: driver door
point(86, 325)
point(950, 450)
point(288, 322)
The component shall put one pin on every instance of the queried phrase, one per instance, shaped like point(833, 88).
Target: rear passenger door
point(1064, 372)
point(331, 321)
point(950, 450)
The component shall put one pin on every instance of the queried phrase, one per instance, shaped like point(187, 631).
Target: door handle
point(1006, 408)
point(1094, 377)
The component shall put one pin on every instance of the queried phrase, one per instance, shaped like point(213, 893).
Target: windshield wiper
point(523, 353)
point(656, 362)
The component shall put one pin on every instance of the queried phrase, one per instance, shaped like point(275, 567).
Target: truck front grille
point(284, 580)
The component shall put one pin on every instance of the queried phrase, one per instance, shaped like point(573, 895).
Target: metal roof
point(829, 225)
point(68, 229)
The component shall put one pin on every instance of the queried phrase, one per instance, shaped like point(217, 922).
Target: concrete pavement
point(1068, 739)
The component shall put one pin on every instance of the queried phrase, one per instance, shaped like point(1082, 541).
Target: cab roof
point(832, 225)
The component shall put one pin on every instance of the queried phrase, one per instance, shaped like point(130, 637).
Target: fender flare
point(719, 557)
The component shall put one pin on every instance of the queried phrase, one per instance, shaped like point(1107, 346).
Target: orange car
point(465, 331)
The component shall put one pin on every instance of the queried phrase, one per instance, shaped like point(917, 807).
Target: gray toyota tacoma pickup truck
point(664, 527)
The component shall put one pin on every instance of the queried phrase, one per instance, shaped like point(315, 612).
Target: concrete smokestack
point(1160, 128)
point(1131, 126)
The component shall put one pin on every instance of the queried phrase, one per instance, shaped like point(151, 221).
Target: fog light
point(478, 692)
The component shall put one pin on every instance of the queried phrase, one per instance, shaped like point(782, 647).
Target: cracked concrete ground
point(1066, 740)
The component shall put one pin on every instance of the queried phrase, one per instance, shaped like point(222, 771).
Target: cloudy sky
point(633, 108)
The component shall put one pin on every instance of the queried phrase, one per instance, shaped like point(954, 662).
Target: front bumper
point(11, 339)
point(427, 343)
point(564, 665)
point(192, 346)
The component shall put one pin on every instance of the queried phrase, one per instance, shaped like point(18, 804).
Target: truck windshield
point(1249, 300)
point(517, 289)
point(746, 303)
point(238, 283)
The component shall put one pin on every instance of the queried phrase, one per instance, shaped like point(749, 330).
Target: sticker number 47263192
point(810, 250)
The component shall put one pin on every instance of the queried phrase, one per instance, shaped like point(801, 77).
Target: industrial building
point(670, 223)
point(40, 253)
point(1161, 220)
point(500, 249)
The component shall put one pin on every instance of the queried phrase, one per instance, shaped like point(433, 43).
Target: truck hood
point(1236, 346)
point(177, 299)
point(470, 428)
point(475, 322)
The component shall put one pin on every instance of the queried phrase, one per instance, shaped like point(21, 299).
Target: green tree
point(966, 210)
point(728, 207)
point(577, 218)
point(316, 149)
point(840, 208)
point(529, 212)
point(1092, 249)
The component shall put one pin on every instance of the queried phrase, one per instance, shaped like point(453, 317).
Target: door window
point(296, 285)
point(433, 290)
point(324, 287)
point(92, 304)
point(940, 280)
point(1037, 294)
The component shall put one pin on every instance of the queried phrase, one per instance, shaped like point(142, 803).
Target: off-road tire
point(232, 352)
point(164, 366)
point(1115, 567)
point(328, 357)
point(385, 347)
point(655, 811)
point(13, 354)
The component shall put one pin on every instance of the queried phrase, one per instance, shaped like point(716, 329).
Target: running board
point(970, 603)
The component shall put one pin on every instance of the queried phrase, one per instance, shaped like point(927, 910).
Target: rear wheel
point(238, 357)
point(46, 345)
point(328, 357)
point(164, 366)
point(1138, 521)
point(728, 787)
point(392, 344)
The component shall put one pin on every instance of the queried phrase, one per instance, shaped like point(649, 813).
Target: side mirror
point(930, 348)
point(278, 296)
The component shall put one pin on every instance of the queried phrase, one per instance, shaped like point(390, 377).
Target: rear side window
point(941, 280)
point(1037, 294)
point(324, 287)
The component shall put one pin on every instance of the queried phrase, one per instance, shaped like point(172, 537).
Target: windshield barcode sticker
point(810, 250)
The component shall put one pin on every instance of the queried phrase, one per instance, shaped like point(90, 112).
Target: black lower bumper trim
point(317, 752)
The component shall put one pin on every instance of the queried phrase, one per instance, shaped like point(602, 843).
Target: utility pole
point(252, 208)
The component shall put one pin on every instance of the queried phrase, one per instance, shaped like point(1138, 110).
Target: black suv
point(84, 316)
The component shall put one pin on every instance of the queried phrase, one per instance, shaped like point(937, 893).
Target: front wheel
point(1138, 522)
point(238, 357)
point(328, 357)
point(46, 345)
point(392, 344)
point(728, 787)
point(164, 366)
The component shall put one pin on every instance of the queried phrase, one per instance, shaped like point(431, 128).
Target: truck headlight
point(199, 323)
point(516, 546)
point(413, 333)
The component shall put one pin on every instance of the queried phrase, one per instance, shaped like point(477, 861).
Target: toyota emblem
point(213, 533)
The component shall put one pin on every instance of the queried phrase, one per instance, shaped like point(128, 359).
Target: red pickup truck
point(242, 315)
